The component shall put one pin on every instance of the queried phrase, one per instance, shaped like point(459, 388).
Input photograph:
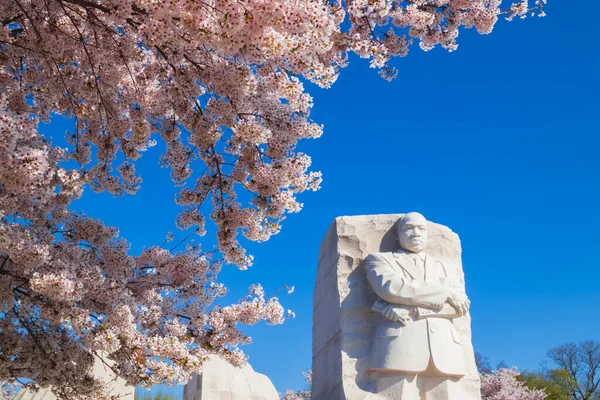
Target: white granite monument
point(390, 317)
point(220, 380)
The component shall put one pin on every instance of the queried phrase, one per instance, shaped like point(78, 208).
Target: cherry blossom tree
point(220, 82)
point(303, 394)
point(502, 384)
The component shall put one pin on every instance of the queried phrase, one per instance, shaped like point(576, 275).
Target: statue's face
point(412, 233)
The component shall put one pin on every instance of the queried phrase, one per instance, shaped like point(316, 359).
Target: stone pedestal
point(343, 322)
point(220, 380)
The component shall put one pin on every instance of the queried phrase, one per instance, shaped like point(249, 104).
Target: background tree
point(578, 372)
point(219, 82)
point(156, 396)
point(549, 383)
point(483, 363)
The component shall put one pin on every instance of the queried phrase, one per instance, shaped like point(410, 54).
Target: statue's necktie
point(418, 261)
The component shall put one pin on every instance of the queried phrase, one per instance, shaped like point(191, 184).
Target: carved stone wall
point(220, 380)
point(343, 323)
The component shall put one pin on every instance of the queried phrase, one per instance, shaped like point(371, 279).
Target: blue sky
point(498, 141)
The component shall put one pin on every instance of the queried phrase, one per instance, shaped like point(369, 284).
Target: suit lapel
point(407, 265)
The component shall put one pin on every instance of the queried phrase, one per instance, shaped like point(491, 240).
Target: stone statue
point(390, 319)
point(417, 350)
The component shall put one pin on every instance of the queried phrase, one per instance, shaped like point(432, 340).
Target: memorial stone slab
point(349, 326)
point(220, 380)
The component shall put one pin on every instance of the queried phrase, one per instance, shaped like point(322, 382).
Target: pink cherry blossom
point(303, 394)
point(503, 385)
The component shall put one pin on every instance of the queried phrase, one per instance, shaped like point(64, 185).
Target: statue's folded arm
point(395, 288)
point(447, 311)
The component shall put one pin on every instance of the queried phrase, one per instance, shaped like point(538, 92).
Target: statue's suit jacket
point(395, 279)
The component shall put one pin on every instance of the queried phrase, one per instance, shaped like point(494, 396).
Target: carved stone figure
point(369, 346)
point(418, 299)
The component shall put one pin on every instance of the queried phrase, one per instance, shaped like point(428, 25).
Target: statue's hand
point(460, 302)
point(397, 314)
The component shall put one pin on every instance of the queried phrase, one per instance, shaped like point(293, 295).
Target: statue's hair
point(400, 221)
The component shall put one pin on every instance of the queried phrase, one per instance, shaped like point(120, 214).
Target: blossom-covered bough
point(303, 394)
point(502, 384)
point(220, 83)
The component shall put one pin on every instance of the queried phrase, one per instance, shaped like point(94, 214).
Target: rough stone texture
point(343, 323)
point(220, 380)
point(118, 386)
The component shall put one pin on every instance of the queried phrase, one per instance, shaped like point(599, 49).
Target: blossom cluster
point(71, 293)
point(221, 84)
point(303, 394)
point(7, 391)
point(383, 29)
point(503, 385)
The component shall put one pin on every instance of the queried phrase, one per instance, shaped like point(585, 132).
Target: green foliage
point(551, 383)
point(564, 380)
point(155, 396)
